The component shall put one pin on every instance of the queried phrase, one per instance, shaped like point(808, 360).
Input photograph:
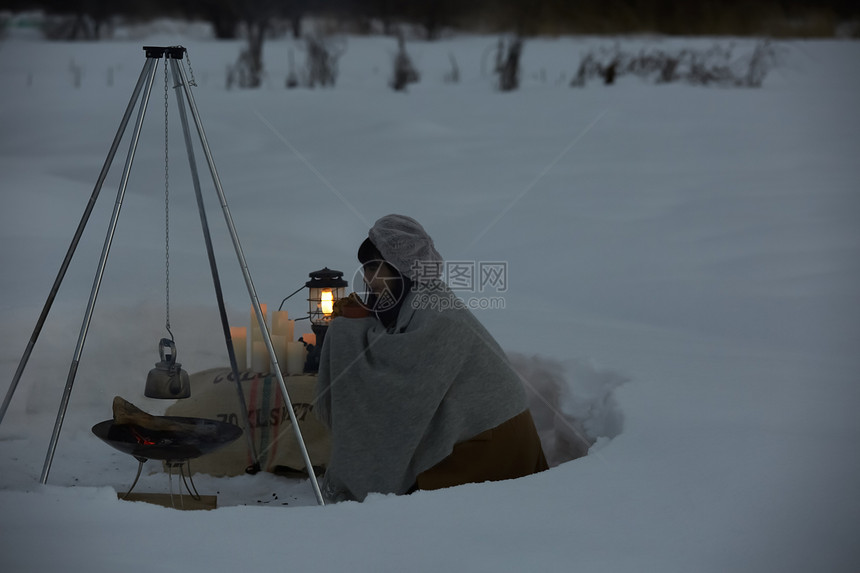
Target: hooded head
point(405, 245)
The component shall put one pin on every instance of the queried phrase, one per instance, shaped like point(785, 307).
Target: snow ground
point(700, 242)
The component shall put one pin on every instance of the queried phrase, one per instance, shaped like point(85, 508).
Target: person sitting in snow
point(418, 395)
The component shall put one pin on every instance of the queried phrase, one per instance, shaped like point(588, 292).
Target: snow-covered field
point(702, 243)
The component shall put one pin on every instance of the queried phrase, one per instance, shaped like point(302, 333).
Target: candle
point(310, 337)
point(295, 358)
point(279, 342)
point(278, 317)
point(256, 332)
point(259, 357)
point(239, 336)
point(282, 325)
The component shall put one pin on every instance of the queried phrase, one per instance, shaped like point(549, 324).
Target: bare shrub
point(452, 76)
point(248, 72)
point(607, 64)
point(323, 53)
point(717, 66)
point(69, 27)
point(404, 71)
point(762, 60)
point(508, 64)
point(292, 76)
point(77, 72)
point(587, 69)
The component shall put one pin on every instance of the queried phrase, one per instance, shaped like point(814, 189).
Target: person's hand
point(349, 307)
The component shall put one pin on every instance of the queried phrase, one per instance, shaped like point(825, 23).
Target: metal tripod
point(142, 91)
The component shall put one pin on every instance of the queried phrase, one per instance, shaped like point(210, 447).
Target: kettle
point(167, 380)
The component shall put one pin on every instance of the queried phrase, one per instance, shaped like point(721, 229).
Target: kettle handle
point(170, 355)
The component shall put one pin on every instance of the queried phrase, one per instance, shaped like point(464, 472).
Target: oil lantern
point(325, 287)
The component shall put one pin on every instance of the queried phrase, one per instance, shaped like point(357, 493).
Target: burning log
point(124, 412)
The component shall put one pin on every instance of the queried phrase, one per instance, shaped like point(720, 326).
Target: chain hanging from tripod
point(166, 204)
point(167, 380)
point(192, 82)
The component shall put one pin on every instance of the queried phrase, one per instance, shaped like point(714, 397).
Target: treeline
point(430, 18)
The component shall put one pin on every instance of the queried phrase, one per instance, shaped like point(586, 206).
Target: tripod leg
point(250, 284)
point(150, 67)
point(177, 80)
point(74, 244)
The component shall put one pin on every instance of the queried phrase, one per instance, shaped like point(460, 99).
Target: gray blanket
point(397, 400)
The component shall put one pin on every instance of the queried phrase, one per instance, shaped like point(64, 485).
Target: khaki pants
point(510, 450)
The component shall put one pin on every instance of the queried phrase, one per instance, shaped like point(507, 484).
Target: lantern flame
point(326, 302)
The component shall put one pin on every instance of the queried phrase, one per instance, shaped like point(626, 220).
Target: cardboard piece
point(176, 501)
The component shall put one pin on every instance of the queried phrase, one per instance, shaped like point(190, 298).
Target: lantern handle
point(297, 291)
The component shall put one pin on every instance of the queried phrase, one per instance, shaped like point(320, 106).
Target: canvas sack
point(214, 396)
